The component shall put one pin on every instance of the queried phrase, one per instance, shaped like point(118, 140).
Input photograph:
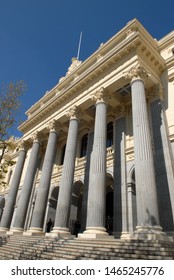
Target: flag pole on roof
point(80, 39)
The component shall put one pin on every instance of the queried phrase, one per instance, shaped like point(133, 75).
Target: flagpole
point(78, 53)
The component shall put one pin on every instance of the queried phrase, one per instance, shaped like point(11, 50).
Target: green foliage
point(9, 106)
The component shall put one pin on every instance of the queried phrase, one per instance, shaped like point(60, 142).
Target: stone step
point(24, 247)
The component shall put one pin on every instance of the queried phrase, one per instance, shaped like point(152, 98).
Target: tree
point(9, 107)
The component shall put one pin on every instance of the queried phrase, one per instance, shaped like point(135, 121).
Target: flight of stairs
point(41, 248)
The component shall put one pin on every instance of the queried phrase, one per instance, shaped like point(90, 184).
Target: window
point(109, 142)
point(84, 145)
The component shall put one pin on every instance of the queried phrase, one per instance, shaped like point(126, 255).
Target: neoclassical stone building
point(97, 149)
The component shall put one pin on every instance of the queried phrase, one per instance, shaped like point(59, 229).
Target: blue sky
point(38, 38)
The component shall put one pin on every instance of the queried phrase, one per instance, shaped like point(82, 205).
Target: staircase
point(41, 248)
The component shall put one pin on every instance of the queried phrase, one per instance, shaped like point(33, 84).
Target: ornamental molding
point(136, 72)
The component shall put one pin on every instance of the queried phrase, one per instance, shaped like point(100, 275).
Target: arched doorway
point(109, 213)
point(51, 208)
point(132, 204)
point(75, 219)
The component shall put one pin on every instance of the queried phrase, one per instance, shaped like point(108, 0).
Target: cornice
point(166, 41)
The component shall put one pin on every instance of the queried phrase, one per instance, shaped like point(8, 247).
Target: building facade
point(97, 150)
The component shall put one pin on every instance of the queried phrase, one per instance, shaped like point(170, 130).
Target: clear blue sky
point(38, 38)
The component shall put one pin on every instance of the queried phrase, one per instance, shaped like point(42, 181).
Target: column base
point(58, 232)
point(34, 231)
point(150, 233)
point(125, 235)
point(3, 230)
point(16, 231)
point(94, 232)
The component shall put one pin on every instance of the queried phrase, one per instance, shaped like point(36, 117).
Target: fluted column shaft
point(66, 183)
point(42, 194)
point(26, 189)
point(11, 199)
point(147, 210)
point(97, 179)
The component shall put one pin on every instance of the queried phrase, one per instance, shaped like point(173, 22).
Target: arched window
point(84, 145)
point(109, 142)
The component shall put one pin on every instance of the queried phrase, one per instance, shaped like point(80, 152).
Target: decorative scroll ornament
point(74, 113)
point(100, 95)
point(136, 72)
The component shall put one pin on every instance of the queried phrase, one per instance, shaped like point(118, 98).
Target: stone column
point(164, 161)
point(97, 180)
point(23, 202)
point(11, 199)
point(44, 185)
point(147, 209)
point(65, 192)
point(86, 181)
point(120, 191)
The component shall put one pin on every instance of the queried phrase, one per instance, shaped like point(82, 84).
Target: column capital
point(136, 72)
point(100, 95)
point(36, 137)
point(23, 145)
point(155, 92)
point(53, 125)
point(74, 113)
